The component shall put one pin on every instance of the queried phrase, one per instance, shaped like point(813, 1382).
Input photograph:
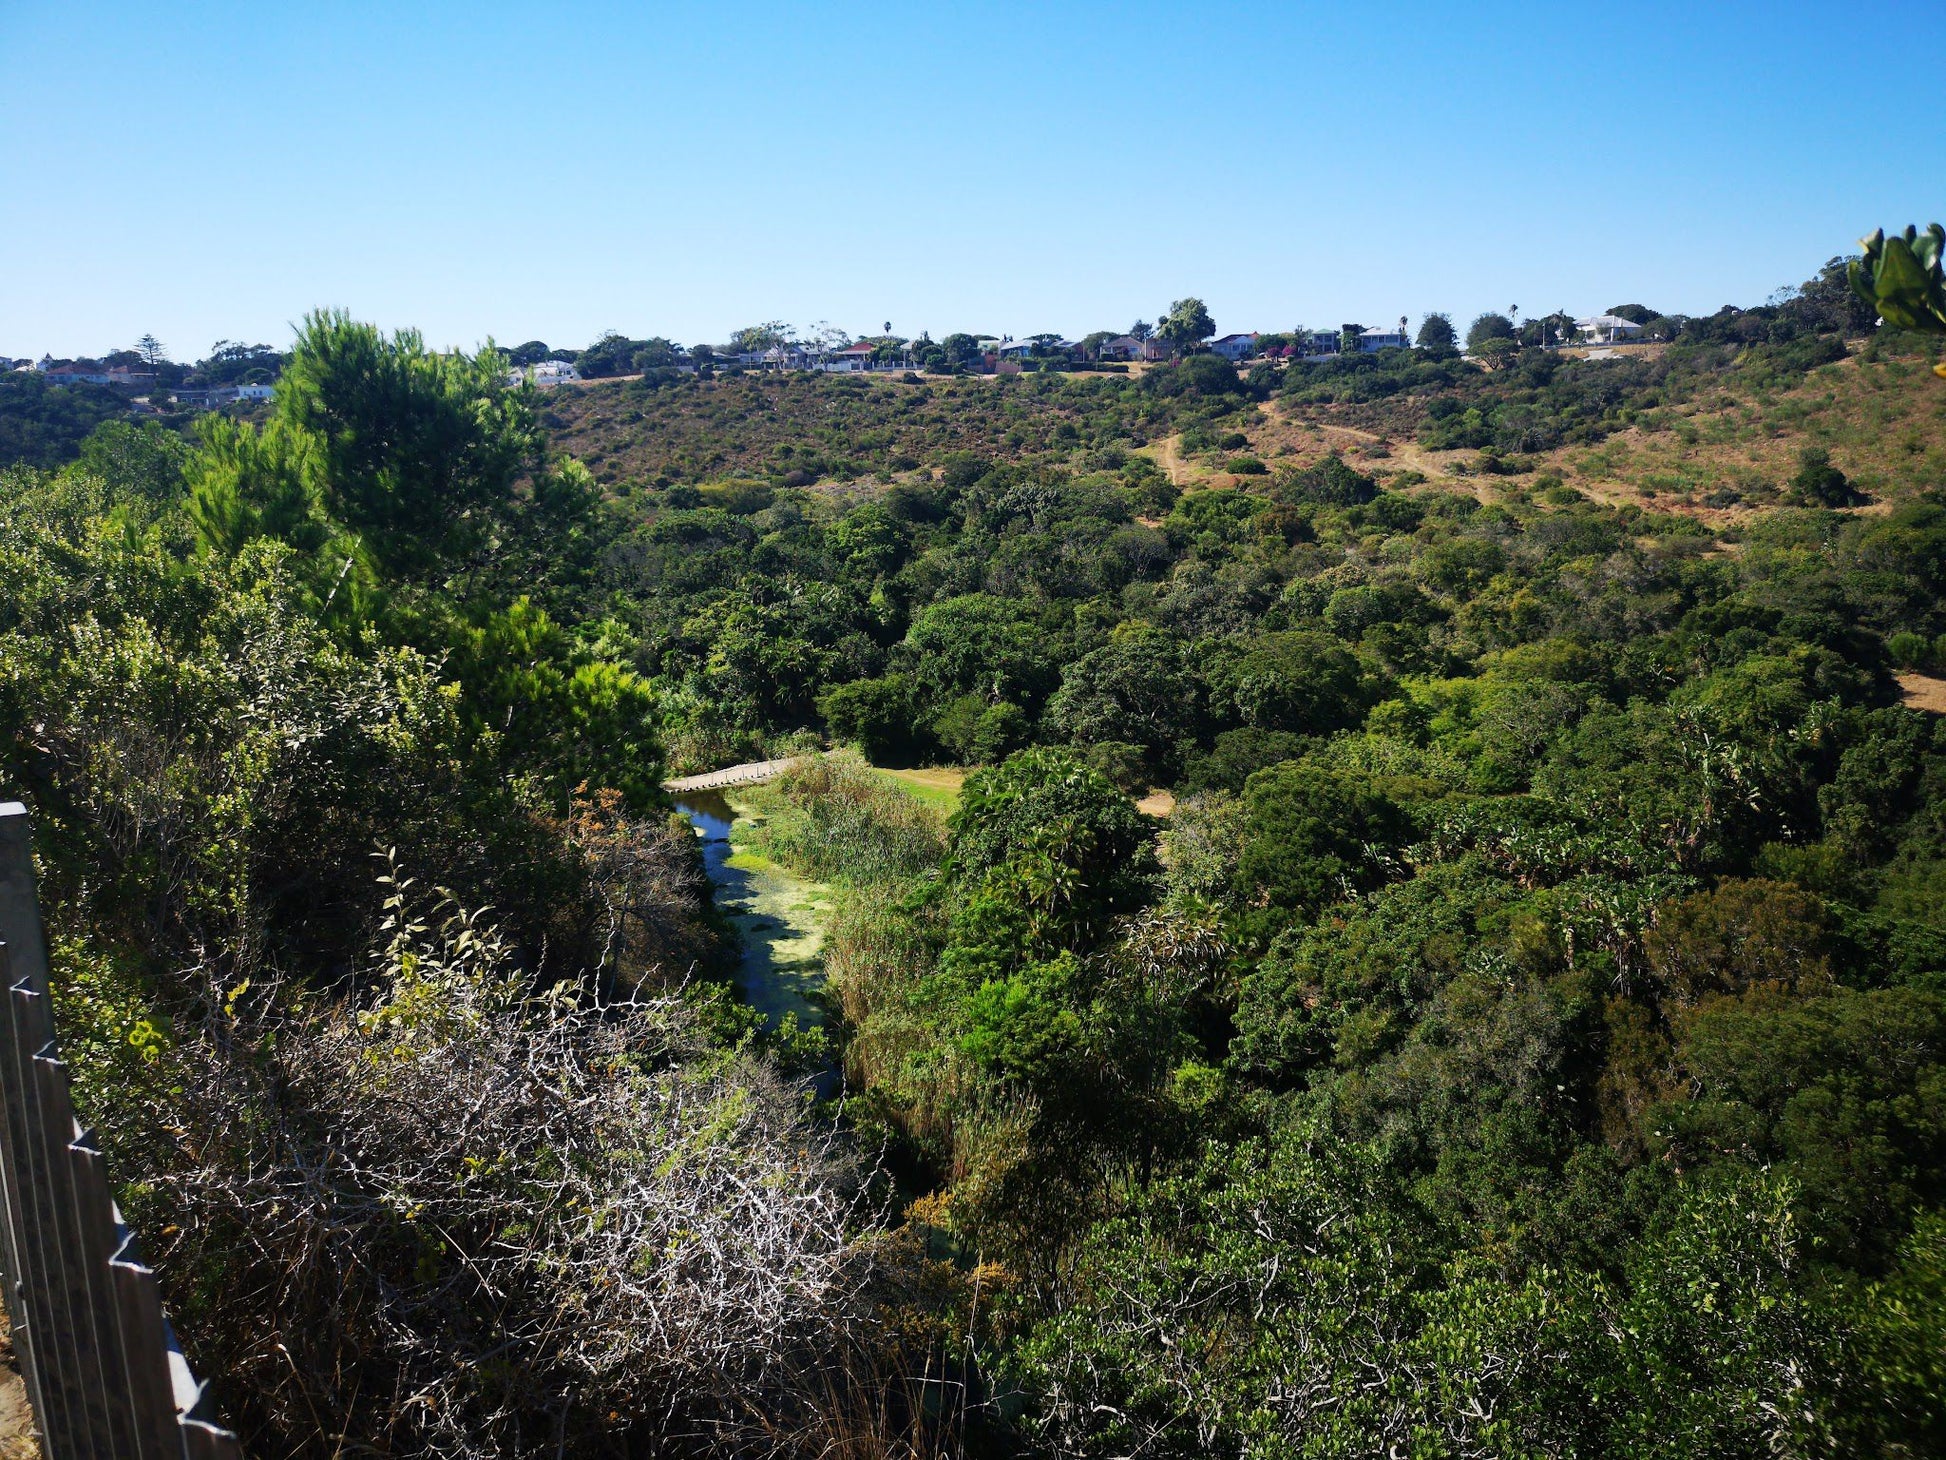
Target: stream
point(779, 918)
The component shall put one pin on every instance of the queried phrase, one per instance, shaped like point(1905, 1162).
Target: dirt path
point(1408, 454)
point(16, 1417)
point(1169, 453)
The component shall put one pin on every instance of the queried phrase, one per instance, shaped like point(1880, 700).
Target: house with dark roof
point(848, 360)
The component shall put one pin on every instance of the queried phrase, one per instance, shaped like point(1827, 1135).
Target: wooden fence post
point(104, 1375)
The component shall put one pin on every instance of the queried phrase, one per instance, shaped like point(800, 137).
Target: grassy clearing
point(937, 787)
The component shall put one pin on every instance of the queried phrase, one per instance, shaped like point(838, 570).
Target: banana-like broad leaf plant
point(1901, 278)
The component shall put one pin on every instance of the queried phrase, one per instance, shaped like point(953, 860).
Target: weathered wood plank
point(104, 1375)
point(23, 962)
point(145, 1348)
point(70, 1271)
point(16, 1254)
point(50, 1328)
point(98, 1223)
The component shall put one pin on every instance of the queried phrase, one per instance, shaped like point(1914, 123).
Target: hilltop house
point(91, 373)
point(544, 373)
point(209, 397)
point(1235, 347)
point(78, 373)
point(1607, 329)
point(990, 358)
point(1373, 340)
point(1313, 343)
point(777, 357)
point(1127, 347)
point(848, 360)
point(1009, 357)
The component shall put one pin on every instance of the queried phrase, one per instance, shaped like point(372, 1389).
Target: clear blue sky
point(548, 171)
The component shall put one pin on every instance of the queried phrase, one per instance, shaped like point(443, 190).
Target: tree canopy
point(1186, 325)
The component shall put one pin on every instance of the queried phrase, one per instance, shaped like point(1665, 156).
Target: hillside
point(1730, 446)
point(799, 427)
point(1714, 439)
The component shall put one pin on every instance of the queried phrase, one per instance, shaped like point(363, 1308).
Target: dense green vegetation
point(1526, 1036)
point(374, 953)
point(44, 425)
point(1549, 953)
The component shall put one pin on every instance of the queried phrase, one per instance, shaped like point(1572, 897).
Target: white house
point(785, 357)
point(209, 398)
point(1607, 329)
point(1122, 347)
point(1236, 347)
point(848, 360)
point(1373, 340)
point(544, 373)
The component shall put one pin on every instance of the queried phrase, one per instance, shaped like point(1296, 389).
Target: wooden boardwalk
point(747, 774)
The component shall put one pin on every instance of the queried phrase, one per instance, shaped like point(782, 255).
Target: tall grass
point(879, 956)
point(834, 818)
